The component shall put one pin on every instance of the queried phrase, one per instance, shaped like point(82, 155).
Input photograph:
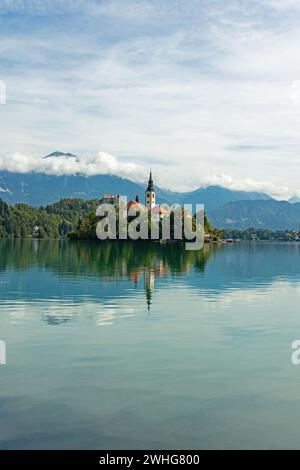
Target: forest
point(52, 221)
point(72, 218)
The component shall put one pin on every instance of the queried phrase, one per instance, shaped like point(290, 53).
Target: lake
point(142, 346)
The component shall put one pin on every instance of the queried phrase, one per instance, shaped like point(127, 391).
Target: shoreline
point(157, 242)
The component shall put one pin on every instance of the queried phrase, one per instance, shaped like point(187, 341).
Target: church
point(150, 194)
point(157, 212)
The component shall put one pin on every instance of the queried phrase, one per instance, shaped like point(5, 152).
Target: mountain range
point(225, 208)
point(269, 214)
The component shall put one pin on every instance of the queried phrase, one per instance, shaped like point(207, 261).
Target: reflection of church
point(149, 280)
point(157, 268)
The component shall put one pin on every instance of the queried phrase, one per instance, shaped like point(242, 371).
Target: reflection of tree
point(94, 258)
point(56, 320)
point(109, 260)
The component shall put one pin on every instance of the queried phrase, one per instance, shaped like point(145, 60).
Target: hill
point(216, 196)
point(41, 189)
point(53, 221)
point(269, 214)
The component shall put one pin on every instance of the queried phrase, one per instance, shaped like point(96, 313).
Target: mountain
point(41, 189)
point(61, 154)
point(225, 208)
point(270, 214)
point(294, 199)
point(215, 196)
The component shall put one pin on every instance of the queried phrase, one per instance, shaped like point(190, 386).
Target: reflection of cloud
point(61, 311)
point(246, 296)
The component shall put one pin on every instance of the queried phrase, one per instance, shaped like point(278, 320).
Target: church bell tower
point(150, 194)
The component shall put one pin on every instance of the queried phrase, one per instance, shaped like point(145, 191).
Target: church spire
point(150, 194)
point(150, 183)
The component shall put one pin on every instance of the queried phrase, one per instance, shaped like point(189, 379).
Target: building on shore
point(157, 212)
point(110, 199)
point(136, 204)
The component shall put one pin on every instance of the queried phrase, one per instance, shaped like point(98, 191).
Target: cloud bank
point(102, 163)
point(105, 163)
point(247, 184)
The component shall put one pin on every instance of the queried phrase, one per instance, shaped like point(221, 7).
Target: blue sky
point(205, 92)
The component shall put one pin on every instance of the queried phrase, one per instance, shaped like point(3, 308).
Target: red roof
point(136, 204)
point(159, 210)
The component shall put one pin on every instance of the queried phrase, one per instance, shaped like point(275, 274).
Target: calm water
point(129, 346)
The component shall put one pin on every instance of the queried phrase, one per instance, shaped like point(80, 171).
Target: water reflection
point(81, 272)
point(110, 260)
point(111, 263)
point(198, 355)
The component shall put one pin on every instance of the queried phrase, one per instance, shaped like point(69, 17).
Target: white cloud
point(129, 9)
point(102, 163)
point(282, 4)
point(105, 163)
point(246, 184)
point(211, 81)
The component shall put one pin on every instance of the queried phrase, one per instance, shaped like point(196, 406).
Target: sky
point(203, 91)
